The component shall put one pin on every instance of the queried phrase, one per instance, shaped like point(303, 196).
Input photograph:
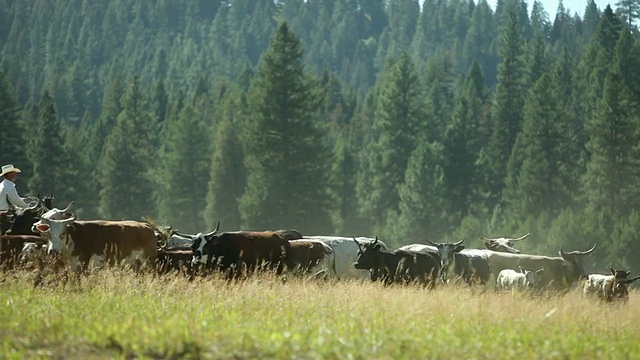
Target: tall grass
point(118, 314)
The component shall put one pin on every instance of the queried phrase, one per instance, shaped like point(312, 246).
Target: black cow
point(233, 251)
point(397, 266)
point(457, 262)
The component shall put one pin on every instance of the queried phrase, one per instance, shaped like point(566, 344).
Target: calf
point(609, 287)
point(11, 248)
point(397, 266)
point(511, 280)
point(309, 256)
point(104, 242)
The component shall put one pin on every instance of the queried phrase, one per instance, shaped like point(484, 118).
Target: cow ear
point(539, 271)
point(613, 272)
point(459, 248)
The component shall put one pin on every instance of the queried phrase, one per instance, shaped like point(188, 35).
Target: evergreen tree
point(343, 188)
point(12, 139)
point(51, 172)
point(630, 10)
point(612, 174)
point(126, 189)
point(398, 112)
point(539, 171)
point(509, 102)
point(285, 155)
point(227, 178)
point(465, 136)
point(183, 172)
point(423, 206)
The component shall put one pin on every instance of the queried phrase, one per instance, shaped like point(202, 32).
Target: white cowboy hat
point(9, 168)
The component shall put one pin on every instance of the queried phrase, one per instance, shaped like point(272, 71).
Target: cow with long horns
point(397, 266)
point(503, 244)
point(560, 272)
point(457, 262)
point(234, 251)
point(99, 242)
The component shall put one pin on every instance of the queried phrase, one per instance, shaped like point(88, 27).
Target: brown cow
point(308, 256)
point(11, 247)
point(174, 260)
point(109, 242)
point(234, 250)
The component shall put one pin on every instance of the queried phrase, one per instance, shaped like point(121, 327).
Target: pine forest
point(403, 119)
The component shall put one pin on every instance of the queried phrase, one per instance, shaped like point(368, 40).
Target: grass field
point(114, 314)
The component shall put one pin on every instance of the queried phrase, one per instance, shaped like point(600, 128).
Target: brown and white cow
point(99, 241)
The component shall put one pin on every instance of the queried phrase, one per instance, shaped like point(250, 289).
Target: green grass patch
point(115, 314)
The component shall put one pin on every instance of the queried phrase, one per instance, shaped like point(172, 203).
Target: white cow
point(511, 280)
point(345, 254)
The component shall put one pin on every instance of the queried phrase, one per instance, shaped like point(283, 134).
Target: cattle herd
point(45, 231)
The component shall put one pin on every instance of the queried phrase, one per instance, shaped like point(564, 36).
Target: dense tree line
point(341, 117)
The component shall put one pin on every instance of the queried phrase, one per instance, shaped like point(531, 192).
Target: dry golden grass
point(118, 314)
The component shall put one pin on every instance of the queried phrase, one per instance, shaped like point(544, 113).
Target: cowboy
point(9, 198)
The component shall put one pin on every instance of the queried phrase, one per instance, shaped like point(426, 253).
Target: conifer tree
point(509, 102)
point(46, 151)
point(539, 171)
point(423, 206)
point(398, 113)
point(612, 176)
point(285, 155)
point(227, 178)
point(183, 172)
point(126, 189)
point(12, 140)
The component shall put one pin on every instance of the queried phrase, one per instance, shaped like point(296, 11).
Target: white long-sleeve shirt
point(8, 189)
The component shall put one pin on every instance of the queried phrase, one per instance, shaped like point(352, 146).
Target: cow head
point(201, 245)
point(447, 252)
point(620, 290)
point(368, 255)
point(55, 230)
point(575, 267)
point(620, 274)
point(503, 244)
point(531, 276)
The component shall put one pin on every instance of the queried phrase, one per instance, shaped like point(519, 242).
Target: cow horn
point(37, 204)
point(214, 230)
point(376, 240)
point(521, 237)
point(486, 238)
point(67, 208)
point(460, 242)
point(629, 281)
point(586, 252)
point(430, 242)
point(357, 243)
point(190, 236)
point(69, 220)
